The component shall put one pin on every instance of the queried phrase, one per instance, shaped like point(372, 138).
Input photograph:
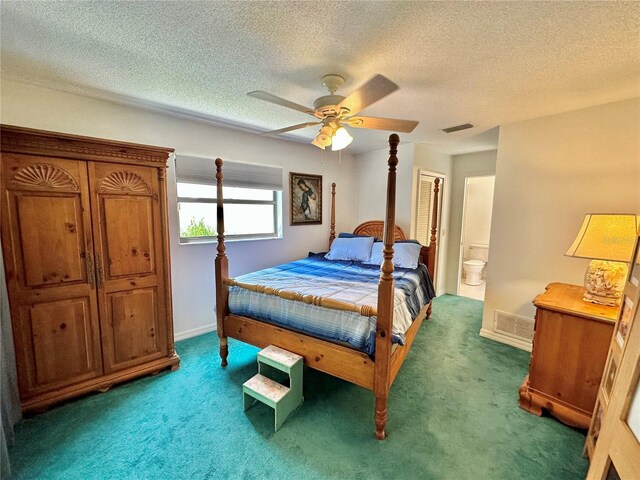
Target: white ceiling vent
point(513, 325)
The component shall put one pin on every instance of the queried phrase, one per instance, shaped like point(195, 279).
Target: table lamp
point(608, 240)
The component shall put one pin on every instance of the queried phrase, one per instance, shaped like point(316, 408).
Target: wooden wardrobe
point(86, 255)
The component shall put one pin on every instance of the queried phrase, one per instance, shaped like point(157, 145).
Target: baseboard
point(498, 337)
point(194, 332)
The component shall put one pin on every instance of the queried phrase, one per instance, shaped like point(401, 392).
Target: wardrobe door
point(48, 251)
point(129, 262)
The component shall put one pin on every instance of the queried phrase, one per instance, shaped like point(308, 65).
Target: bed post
point(431, 260)
point(222, 270)
point(332, 232)
point(384, 326)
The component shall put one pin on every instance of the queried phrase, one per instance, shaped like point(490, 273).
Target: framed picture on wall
point(305, 198)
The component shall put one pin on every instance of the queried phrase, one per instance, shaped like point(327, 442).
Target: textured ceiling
point(480, 62)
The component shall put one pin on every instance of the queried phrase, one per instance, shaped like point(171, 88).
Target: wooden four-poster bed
point(355, 366)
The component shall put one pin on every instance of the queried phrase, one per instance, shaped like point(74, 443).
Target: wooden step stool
point(283, 400)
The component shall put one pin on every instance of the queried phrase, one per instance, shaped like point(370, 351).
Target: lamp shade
point(606, 237)
point(341, 139)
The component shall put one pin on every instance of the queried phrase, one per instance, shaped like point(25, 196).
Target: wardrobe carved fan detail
point(125, 182)
point(44, 176)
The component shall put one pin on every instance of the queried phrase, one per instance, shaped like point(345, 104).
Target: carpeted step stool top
point(266, 388)
point(278, 357)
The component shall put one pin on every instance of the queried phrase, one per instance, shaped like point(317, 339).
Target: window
point(252, 200)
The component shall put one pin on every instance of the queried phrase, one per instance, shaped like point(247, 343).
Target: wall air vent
point(457, 128)
point(513, 325)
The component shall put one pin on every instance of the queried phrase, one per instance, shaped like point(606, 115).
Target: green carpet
point(453, 414)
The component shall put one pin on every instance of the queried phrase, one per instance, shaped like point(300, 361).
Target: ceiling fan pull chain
point(340, 157)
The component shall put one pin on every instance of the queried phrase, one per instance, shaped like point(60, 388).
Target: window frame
point(276, 201)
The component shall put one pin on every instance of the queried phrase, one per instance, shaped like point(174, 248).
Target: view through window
point(248, 212)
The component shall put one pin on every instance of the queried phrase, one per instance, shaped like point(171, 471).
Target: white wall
point(192, 265)
point(550, 172)
point(466, 165)
point(477, 218)
point(371, 185)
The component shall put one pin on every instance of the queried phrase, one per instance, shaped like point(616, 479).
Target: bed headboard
point(375, 228)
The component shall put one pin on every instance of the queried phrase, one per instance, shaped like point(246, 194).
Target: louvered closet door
point(425, 208)
point(131, 290)
point(47, 239)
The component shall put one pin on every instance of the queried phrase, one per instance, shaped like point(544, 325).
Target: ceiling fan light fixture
point(341, 139)
point(327, 131)
point(323, 139)
point(317, 143)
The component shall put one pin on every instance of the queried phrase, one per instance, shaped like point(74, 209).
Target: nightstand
point(570, 346)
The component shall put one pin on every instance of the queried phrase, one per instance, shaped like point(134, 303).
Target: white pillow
point(358, 248)
point(405, 255)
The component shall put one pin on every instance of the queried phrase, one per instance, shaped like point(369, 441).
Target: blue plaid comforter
point(352, 282)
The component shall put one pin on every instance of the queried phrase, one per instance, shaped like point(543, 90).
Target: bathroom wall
point(478, 207)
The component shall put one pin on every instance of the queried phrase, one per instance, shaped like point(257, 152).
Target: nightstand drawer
point(570, 346)
point(568, 357)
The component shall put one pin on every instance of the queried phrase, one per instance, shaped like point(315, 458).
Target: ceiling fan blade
point(376, 88)
point(403, 126)
point(267, 97)
point(288, 129)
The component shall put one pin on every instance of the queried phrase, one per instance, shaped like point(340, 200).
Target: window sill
point(209, 241)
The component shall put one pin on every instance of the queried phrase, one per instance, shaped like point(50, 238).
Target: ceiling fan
point(334, 112)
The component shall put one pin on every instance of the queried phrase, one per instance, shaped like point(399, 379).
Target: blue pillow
point(358, 249)
point(406, 254)
point(351, 235)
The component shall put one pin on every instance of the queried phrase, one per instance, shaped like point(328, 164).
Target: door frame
point(438, 284)
point(464, 221)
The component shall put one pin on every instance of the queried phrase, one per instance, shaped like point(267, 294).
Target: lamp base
point(604, 282)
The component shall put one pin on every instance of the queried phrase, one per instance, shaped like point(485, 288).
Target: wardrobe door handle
point(99, 270)
point(90, 273)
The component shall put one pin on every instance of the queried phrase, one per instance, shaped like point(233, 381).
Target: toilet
point(478, 256)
